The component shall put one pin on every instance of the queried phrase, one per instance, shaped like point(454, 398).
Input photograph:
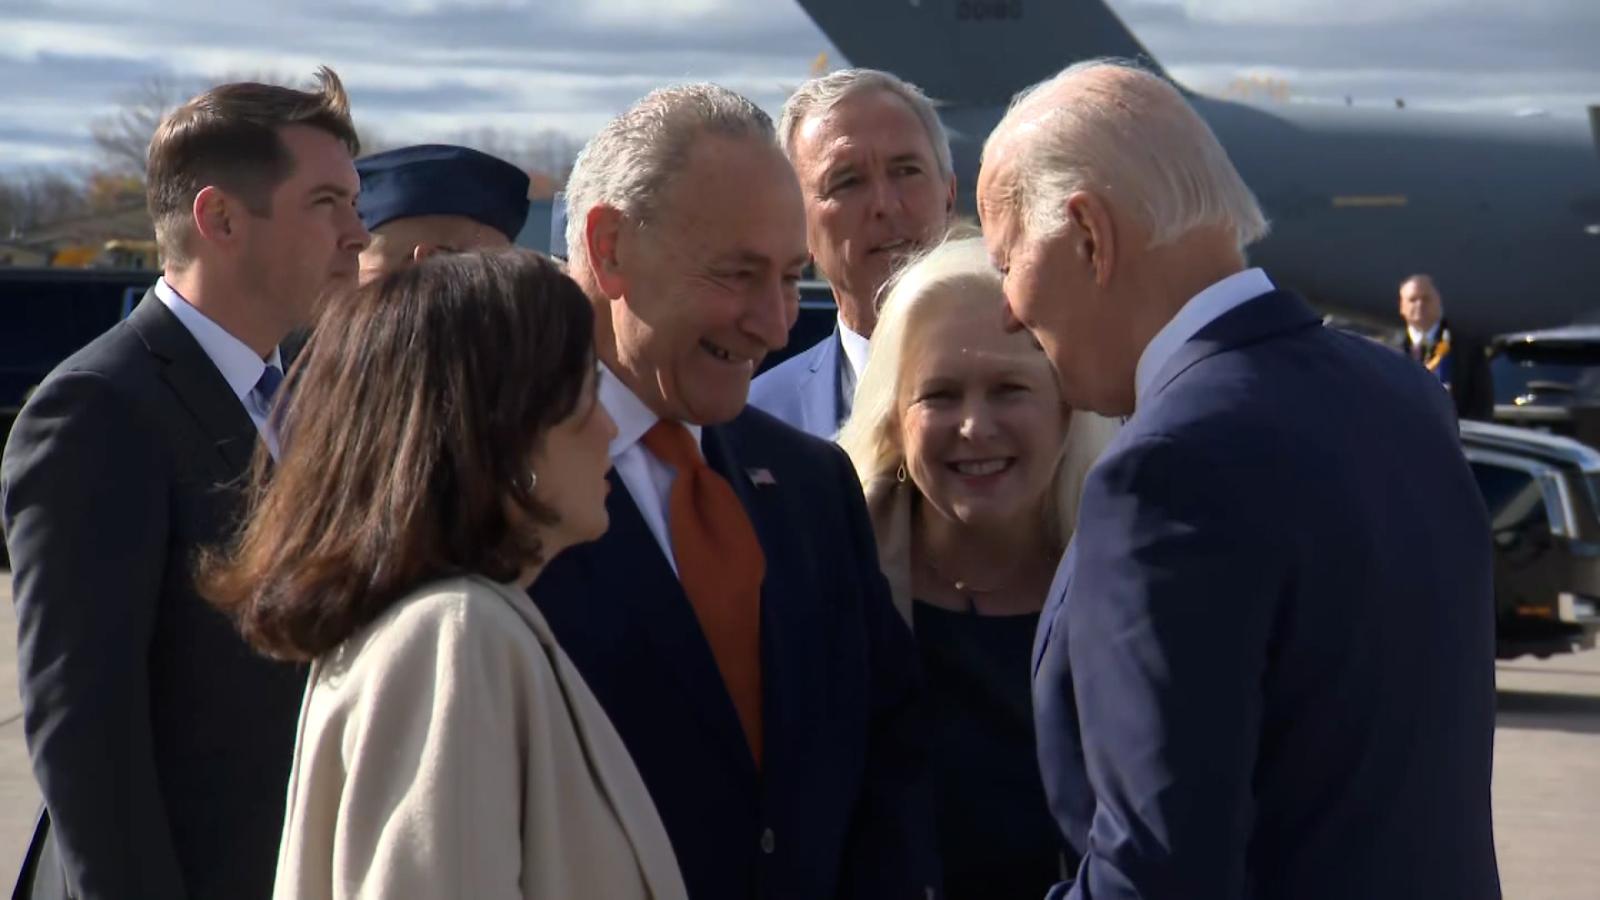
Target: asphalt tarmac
point(1546, 785)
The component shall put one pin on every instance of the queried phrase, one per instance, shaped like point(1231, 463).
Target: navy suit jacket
point(803, 390)
point(841, 807)
point(1261, 675)
point(162, 744)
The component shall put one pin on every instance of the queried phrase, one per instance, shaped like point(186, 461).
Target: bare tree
point(123, 136)
point(547, 152)
point(30, 200)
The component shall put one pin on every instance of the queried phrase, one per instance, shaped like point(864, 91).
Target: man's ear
point(422, 251)
point(602, 239)
point(215, 216)
point(1094, 233)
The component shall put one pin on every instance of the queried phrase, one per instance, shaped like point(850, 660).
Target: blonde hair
point(953, 274)
point(1128, 134)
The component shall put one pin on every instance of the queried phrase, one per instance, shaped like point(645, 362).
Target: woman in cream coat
point(444, 440)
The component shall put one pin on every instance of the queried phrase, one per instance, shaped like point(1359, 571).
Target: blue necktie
point(267, 385)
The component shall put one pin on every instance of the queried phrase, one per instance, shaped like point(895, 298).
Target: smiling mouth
point(723, 355)
point(980, 468)
point(898, 246)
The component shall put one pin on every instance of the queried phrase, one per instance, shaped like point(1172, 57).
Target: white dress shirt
point(1419, 339)
point(1202, 309)
point(856, 349)
point(648, 480)
point(239, 365)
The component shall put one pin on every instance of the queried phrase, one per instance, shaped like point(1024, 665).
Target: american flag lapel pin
point(761, 477)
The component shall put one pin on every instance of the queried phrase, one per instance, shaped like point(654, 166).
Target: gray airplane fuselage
point(1503, 211)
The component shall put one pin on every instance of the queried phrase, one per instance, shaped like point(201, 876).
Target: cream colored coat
point(450, 749)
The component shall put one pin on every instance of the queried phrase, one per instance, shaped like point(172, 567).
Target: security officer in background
point(1461, 364)
point(434, 198)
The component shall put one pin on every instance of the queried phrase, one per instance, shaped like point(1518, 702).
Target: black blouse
point(997, 839)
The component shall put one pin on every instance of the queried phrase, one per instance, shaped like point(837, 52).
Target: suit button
point(769, 842)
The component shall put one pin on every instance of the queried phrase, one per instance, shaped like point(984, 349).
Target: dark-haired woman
point(443, 442)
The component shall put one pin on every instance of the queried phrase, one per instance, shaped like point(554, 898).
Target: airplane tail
point(974, 51)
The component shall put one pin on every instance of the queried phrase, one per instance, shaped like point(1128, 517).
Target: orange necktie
point(720, 564)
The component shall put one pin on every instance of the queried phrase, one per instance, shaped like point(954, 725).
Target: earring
point(900, 474)
point(533, 480)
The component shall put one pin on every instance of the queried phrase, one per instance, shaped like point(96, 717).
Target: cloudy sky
point(428, 69)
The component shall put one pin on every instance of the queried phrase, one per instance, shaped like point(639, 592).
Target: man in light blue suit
point(874, 167)
point(1254, 676)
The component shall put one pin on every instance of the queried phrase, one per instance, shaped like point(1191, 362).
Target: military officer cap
point(441, 180)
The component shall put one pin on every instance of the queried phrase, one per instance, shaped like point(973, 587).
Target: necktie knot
point(267, 384)
point(674, 445)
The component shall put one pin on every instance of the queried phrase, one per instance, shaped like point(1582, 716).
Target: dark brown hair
point(228, 137)
point(412, 419)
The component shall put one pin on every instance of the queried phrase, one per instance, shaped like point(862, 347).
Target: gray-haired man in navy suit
point(878, 185)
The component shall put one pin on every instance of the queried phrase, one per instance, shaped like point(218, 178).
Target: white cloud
point(425, 69)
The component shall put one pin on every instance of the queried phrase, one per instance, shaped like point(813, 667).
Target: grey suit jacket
point(160, 741)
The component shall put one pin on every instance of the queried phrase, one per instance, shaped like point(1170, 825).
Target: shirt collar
point(239, 365)
point(632, 417)
point(856, 349)
point(1201, 310)
point(1418, 337)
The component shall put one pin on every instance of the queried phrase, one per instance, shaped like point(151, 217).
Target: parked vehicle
point(1543, 495)
point(1550, 380)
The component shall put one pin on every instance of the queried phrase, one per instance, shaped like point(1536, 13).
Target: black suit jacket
point(1471, 384)
point(841, 808)
point(161, 742)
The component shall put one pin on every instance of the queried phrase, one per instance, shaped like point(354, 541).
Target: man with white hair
point(733, 621)
point(875, 171)
point(1254, 677)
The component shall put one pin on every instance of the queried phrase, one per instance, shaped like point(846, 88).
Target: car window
point(1515, 498)
point(1552, 375)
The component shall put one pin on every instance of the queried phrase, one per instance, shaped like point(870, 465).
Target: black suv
point(1550, 380)
point(1543, 495)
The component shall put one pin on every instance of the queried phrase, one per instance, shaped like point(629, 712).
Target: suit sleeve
point(86, 518)
point(891, 852)
point(1168, 616)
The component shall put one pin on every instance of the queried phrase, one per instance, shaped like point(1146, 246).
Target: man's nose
point(771, 313)
point(356, 237)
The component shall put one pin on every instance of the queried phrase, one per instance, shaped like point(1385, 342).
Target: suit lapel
point(819, 388)
point(199, 386)
point(1053, 601)
point(628, 564)
point(789, 681)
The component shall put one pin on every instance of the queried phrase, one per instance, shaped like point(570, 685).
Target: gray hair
point(631, 162)
point(821, 94)
point(1129, 134)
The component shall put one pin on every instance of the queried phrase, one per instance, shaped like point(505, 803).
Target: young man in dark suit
point(161, 743)
point(1252, 678)
point(733, 621)
point(1460, 363)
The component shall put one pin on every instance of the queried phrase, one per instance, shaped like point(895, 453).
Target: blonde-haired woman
point(972, 467)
